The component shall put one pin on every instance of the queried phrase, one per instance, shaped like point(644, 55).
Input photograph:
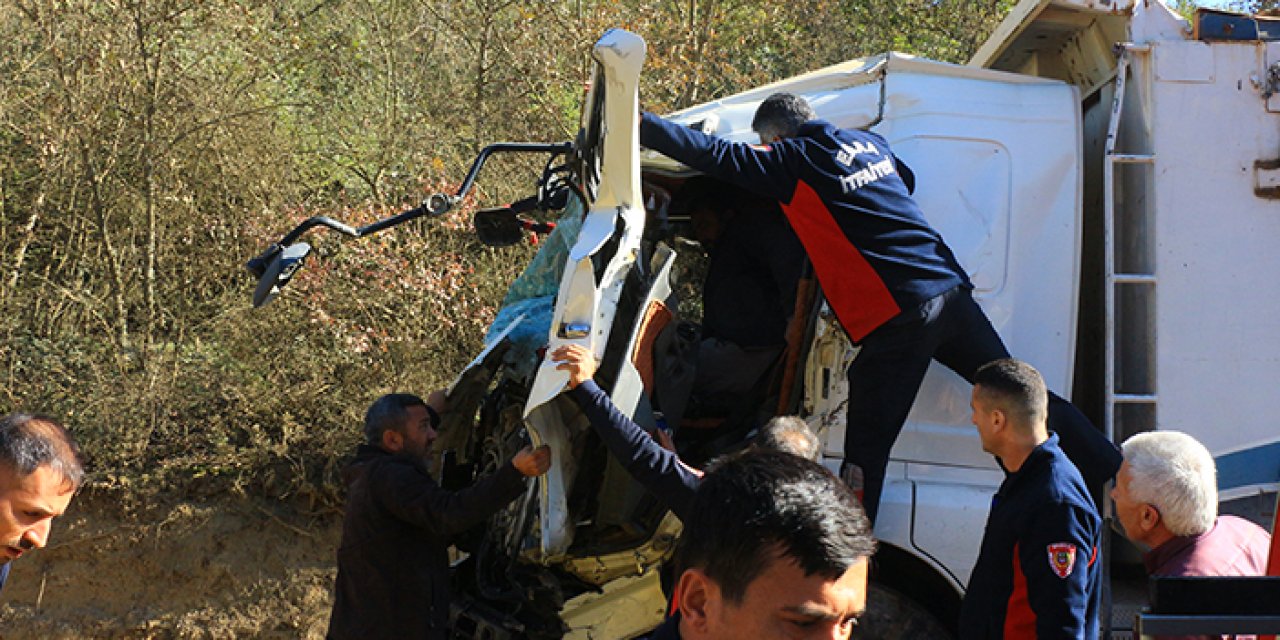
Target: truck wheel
point(893, 616)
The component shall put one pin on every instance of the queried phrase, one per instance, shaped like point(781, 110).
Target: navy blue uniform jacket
point(1038, 574)
point(870, 245)
point(393, 563)
point(660, 471)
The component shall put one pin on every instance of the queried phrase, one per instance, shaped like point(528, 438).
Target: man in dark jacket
point(894, 284)
point(393, 563)
point(1038, 573)
point(748, 296)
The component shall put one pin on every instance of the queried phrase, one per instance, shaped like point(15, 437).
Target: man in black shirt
point(393, 563)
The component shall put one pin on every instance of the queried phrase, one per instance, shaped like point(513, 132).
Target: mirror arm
point(317, 221)
point(435, 205)
point(508, 147)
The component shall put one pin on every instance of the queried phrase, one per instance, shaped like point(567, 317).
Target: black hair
point(29, 441)
point(1016, 387)
point(755, 506)
point(781, 114)
point(389, 413)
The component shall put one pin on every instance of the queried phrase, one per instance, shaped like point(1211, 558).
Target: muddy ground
point(216, 568)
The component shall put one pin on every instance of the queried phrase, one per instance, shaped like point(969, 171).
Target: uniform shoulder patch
point(1062, 558)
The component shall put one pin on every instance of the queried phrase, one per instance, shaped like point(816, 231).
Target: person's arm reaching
point(763, 169)
point(414, 497)
point(659, 470)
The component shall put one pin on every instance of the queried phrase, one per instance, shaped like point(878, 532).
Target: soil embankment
point(218, 568)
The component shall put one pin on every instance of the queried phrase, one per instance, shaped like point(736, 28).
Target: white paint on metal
point(582, 302)
point(1189, 61)
point(950, 504)
point(1218, 312)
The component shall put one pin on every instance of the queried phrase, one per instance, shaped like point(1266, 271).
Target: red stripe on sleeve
point(1019, 619)
point(856, 292)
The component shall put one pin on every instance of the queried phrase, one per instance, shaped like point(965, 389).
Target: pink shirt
point(1233, 547)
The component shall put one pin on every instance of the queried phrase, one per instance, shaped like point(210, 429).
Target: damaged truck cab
point(1105, 173)
point(1088, 157)
point(998, 171)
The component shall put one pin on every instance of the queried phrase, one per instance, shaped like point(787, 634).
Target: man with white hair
point(1166, 497)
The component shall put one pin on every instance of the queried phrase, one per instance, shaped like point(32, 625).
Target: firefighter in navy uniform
point(894, 284)
point(1038, 573)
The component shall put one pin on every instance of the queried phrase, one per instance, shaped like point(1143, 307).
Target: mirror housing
point(498, 227)
point(274, 268)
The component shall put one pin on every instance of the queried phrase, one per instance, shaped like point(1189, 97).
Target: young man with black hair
point(40, 471)
point(774, 547)
point(1038, 574)
point(393, 563)
point(894, 284)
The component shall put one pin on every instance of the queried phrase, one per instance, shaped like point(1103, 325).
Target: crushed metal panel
point(1037, 28)
point(1089, 55)
point(1067, 41)
point(1030, 23)
point(1015, 22)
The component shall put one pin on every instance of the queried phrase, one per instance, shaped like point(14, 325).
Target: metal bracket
point(1266, 179)
point(1272, 84)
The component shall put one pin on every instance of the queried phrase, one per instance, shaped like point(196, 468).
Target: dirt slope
point(221, 568)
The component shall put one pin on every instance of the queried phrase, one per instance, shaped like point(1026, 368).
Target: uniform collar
point(814, 126)
point(1038, 459)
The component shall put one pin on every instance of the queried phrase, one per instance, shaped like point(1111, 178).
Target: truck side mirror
point(280, 265)
point(498, 227)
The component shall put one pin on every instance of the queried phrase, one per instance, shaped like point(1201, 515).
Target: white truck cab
point(998, 170)
point(1109, 176)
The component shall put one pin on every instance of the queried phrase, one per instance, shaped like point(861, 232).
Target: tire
point(893, 616)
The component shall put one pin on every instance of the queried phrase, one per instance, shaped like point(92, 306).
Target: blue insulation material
point(533, 294)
